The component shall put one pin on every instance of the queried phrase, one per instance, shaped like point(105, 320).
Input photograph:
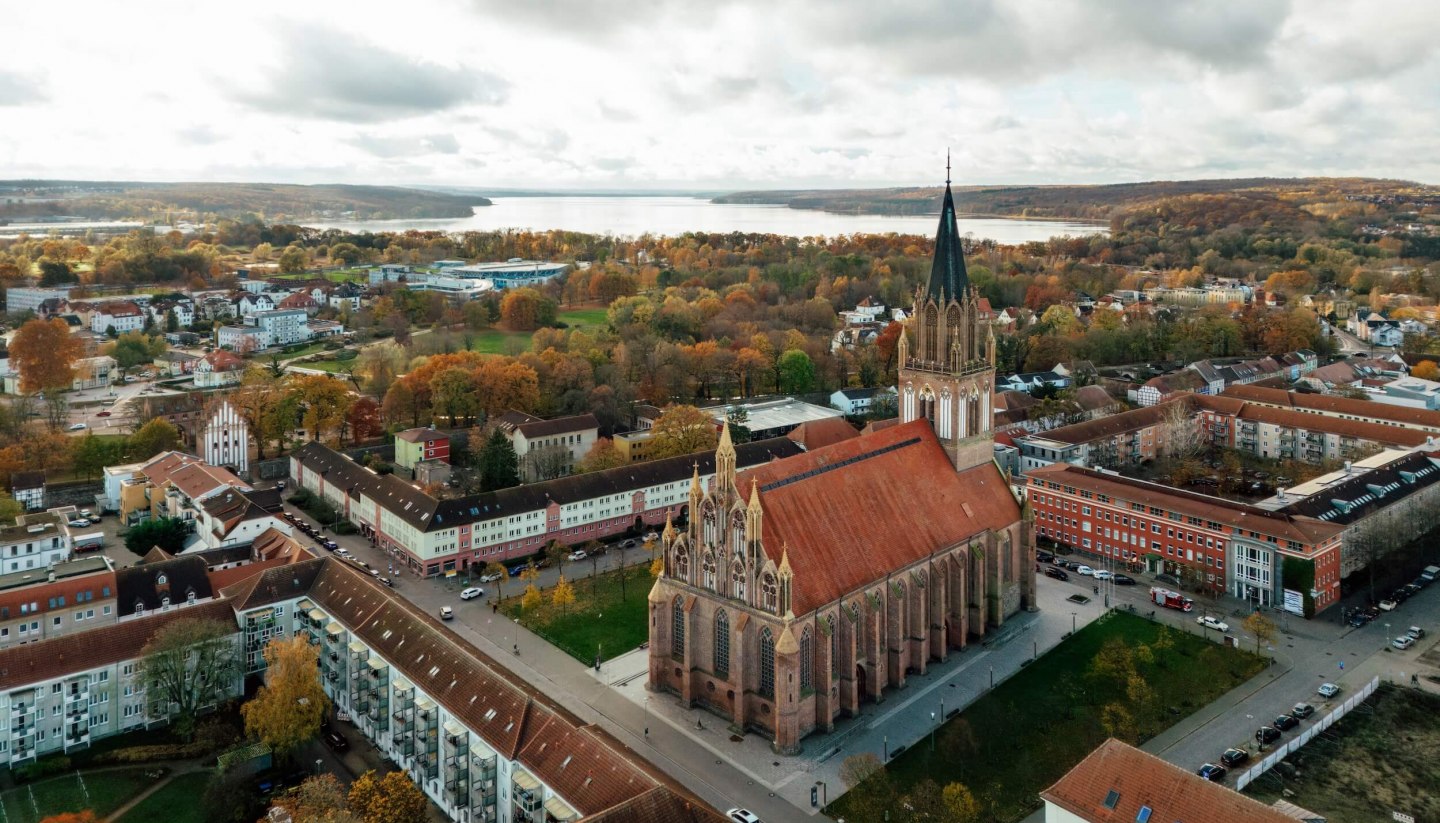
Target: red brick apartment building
point(1230, 546)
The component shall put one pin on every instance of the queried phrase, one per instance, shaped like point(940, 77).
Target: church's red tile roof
point(817, 434)
point(851, 513)
point(1139, 780)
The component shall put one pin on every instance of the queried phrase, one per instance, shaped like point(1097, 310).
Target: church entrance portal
point(860, 694)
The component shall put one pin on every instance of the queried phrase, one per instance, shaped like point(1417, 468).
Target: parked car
point(491, 577)
point(516, 570)
point(1415, 632)
point(387, 582)
point(1234, 757)
point(1358, 619)
point(472, 593)
point(102, 414)
point(1213, 623)
point(1044, 557)
point(330, 544)
point(1265, 735)
point(1057, 573)
point(75, 427)
point(1302, 711)
point(447, 613)
point(1102, 574)
point(1167, 578)
point(742, 816)
point(1085, 570)
point(1124, 580)
point(337, 742)
point(1403, 642)
point(577, 555)
point(1388, 605)
point(78, 523)
point(1212, 772)
point(1285, 722)
point(1328, 690)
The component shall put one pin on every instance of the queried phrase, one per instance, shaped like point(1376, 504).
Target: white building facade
point(225, 440)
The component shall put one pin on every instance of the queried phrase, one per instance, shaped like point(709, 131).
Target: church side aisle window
point(834, 645)
point(769, 594)
point(677, 627)
point(708, 568)
point(737, 579)
point(722, 644)
point(767, 663)
point(807, 660)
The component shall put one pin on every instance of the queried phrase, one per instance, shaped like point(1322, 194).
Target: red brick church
point(810, 585)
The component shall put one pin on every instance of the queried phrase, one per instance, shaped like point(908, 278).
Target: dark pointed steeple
point(948, 280)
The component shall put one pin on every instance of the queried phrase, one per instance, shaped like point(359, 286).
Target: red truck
point(1171, 600)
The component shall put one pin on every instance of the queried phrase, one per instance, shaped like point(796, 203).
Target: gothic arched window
point(767, 663)
point(834, 645)
point(722, 644)
point(807, 659)
point(682, 564)
point(737, 535)
point(769, 594)
point(953, 326)
point(973, 415)
point(932, 324)
point(737, 582)
point(707, 568)
point(677, 627)
point(711, 527)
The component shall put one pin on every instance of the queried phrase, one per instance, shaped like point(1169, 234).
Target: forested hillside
point(213, 201)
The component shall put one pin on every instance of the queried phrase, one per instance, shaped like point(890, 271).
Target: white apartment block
point(29, 299)
point(122, 316)
point(34, 542)
point(282, 326)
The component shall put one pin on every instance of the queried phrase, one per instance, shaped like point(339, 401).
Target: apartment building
point(1124, 439)
point(120, 315)
point(68, 596)
point(1213, 543)
point(34, 541)
point(1280, 433)
point(281, 327)
point(415, 445)
point(549, 448)
point(1344, 408)
point(433, 536)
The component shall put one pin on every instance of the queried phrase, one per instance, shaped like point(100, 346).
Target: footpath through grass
point(1382, 757)
point(101, 791)
point(599, 620)
point(177, 802)
point(1121, 676)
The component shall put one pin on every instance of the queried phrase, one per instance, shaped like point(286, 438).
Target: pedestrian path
point(173, 770)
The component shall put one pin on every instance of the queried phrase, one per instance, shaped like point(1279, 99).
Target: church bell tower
point(949, 377)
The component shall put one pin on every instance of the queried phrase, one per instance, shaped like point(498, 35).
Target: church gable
point(849, 514)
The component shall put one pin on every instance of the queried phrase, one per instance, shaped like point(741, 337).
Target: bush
point(346, 354)
point(211, 735)
point(332, 345)
point(42, 768)
point(302, 497)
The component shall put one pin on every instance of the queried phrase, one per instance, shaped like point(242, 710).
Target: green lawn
point(102, 791)
point(326, 365)
point(598, 619)
point(313, 348)
point(584, 317)
point(499, 341)
point(1018, 739)
point(178, 802)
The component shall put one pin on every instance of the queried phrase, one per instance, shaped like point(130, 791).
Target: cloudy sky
point(713, 95)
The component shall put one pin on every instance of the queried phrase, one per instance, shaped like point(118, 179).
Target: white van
point(1430, 574)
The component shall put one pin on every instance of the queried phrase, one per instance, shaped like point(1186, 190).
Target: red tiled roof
point(659, 805)
point(909, 499)
point(1140, 780)
point(817, 434)
point(221, 360)
point(578, 765)
point(69, 653)
point(1378, 432)
point(1114, 424)
point(1332, 404)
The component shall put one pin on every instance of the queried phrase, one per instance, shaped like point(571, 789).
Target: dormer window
point(161, 579)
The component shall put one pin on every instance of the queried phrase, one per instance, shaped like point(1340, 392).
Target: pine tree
point(499, 467)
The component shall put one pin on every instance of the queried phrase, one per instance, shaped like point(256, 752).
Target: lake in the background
point(634, 216)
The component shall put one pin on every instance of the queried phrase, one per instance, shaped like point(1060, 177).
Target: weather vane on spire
point(947, 166)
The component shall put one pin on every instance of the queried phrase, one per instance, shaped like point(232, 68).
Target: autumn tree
point(44, 353)
point(320, 799)
point(526, 309)
point(797, 372)
point(1426, 370)
point(324, 403)
point(86, 816)
point(363, 420)
point(493, 569)
point(531, 598)
point(10, 508)
point(857, 768)
point(960, 804)
point(602, 455)
point(257, 400)
point(401, 405)
point(1262, 627)
point(158, 435)
point(389, 799)
point(288, 709)
point(134, 348)
point(294, 259)
point(452, 397)
point(563, 594)
point(682, 430)
point(189, 665)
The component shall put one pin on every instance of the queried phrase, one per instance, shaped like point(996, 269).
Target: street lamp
point(932, 731)
point(1072, 621)
point(516, 645)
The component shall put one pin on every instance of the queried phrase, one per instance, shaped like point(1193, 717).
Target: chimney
point(1281, 494)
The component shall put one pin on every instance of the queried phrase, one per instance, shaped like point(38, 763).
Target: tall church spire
point(948, 280)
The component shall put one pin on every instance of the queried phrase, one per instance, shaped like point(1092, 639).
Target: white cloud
point(693, 93)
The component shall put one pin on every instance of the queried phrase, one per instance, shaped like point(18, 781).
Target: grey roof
point(141, 584)
point(559, 425)
point(860, 394)
point(1363, 493)
point(27, 480)
point(425, 513)
point(948, 279)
